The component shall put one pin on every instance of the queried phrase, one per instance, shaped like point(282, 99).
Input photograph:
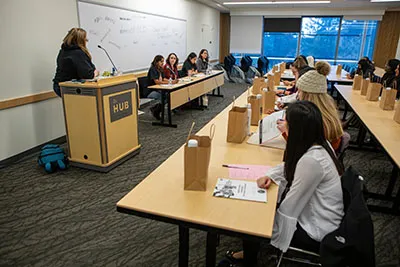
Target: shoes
point(229, 256)
point(156, 111)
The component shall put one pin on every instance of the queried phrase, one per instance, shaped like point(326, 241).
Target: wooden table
point(161, 197)
point(186, 90)
point(381, 125)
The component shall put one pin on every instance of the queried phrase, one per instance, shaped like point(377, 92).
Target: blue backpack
point(52, 157)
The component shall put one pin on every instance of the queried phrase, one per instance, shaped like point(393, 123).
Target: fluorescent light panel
point(381, 1)
point(281, 2)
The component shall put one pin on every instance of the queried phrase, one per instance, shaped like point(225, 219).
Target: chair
point(262, 65)
point(344, 144)
point(234, 72)
point(352, 244)
point(143, 84)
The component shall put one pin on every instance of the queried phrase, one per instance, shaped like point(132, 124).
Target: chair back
point(143, 84)
point(262, 65)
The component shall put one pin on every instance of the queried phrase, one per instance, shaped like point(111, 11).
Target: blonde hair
point(332, 126)
point(77, 36)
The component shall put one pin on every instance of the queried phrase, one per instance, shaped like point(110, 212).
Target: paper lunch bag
point(388, 99)
point(270, 82)
point(238, 122)
point(256, 109)
point(277, 78)
point(268, 100)
point(357, 82)
point(258, 83)
point(339, 70)
point(373, 91)
point(364, 86)
point(197, 161)
point(396, 117)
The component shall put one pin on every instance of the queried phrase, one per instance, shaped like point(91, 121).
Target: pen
point(234, 167)
point(260, 132)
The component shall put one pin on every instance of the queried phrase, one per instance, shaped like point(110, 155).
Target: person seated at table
point(189, 66)
point(310, 193)
point(312, 86)
point(389, 78)
point(299, 67)
point(202, 61)
point(74, 60)
point(155, 76)
point(365, 67)
point(171, 67)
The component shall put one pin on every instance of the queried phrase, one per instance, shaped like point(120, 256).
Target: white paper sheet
point(237, 189)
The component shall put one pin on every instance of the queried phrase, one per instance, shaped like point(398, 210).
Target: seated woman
point(171, 67)
point(365, 67)
point(202, 61)
point(310, 193)
point(299, 67)
point(189, 66)
point(389, 78)
point(155, 76)
point(312, 86)
point(74, 60)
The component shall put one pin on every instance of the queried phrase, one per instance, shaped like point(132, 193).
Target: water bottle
point(248, 118)
point(170, 81)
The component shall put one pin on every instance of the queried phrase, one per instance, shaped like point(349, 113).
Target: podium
point(101, 121)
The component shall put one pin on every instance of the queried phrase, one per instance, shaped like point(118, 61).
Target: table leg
point(211, 250)
point(165, 97)
point(392, 182)
point(218, 92)
point(183, 246)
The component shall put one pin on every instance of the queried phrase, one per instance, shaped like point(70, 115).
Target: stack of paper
point(237, 189)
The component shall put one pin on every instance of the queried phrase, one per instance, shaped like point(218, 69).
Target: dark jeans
point(300, 240)
point(57, 89)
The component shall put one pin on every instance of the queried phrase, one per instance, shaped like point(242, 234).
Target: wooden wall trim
point(387, 38)
point(24, 100)
point(224, 35)
point(29, 99)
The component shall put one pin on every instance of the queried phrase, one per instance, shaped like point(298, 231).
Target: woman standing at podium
point(74, 60)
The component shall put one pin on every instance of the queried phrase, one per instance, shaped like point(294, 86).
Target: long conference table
point(160, 196)
point(381, 125)
point(187, 89)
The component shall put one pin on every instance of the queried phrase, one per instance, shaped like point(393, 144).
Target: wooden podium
point(101, 121)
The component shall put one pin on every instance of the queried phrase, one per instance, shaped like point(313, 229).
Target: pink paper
point(253, 173)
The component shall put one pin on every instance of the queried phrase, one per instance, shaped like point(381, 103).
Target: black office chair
point(143, 84)
point(262, 65)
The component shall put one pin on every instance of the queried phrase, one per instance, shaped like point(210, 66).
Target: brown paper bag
point(274, 68)
point(197, 161)
point(277, 78)
point(238, 122)
point(373, 91)
point(282, 67)
point(396, 117)
point(256, 108)
point(357, 82)
point(268, 99)
point(270, 82)
point(339, 69)
point(364, 86)
point(258, 84)
point(388, 99)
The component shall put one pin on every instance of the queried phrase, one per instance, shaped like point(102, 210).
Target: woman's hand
point(281, 124)
point(96, 73)
point(264, 182)
point(287, 83)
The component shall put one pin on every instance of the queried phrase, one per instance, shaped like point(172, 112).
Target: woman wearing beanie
point(312, 86)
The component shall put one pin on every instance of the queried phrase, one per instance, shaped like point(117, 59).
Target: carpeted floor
point(69, 218)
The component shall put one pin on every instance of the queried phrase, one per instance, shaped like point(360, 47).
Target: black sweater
point(73, 63)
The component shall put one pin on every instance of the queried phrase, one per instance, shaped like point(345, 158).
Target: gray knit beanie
point(314, 81)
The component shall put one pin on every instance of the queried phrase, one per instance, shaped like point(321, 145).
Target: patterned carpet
point(69, 218)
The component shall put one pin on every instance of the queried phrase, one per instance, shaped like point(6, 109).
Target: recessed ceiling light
point(280, 2)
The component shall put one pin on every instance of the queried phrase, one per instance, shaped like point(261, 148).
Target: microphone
point(99, 46)
point(171, 71)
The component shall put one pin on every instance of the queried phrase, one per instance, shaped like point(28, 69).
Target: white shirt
point(315, 199)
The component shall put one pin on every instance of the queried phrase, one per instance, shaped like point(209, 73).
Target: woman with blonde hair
point(312, 86)
point(74, 60)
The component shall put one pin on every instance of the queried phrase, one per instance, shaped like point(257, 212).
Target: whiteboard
point(131, 38)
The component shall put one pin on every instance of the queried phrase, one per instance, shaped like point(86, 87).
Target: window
point(357, 39)
point(319, 37)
